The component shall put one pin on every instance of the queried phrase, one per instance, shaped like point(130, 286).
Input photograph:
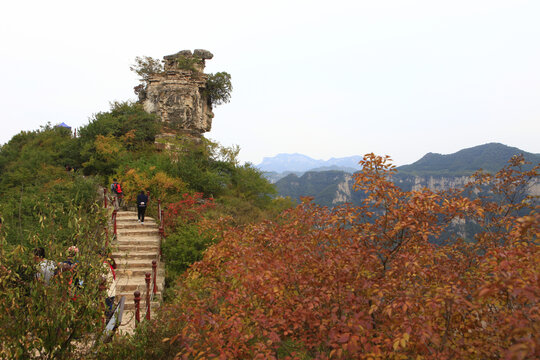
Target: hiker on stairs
point(117, 194)
point(142, 201)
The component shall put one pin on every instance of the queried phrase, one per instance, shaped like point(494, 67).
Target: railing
point(113, 219)
point(149, 294)
point(150, 278)
point(116, 318)
point(114, 321)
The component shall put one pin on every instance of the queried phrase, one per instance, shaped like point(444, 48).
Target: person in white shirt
point(46, 268)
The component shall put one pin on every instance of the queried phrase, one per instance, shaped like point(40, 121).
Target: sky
point(322, 78)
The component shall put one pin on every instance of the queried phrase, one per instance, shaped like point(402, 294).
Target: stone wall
point(177, 96)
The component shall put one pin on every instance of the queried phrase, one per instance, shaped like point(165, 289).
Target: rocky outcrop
point(177, 96)
point(344, 191)
point(434, 183)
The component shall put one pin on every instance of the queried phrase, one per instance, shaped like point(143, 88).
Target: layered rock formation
point(177, 96)
point(331, 188)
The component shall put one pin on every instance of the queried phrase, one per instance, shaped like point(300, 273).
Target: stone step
point(130, 287)
point(146, 240)
point(136, 225)
point(130, 305)
point(136, 263)
point(137, 240)
point(138, 248)
point(132, 272)
point(134, 222)
point(145, 234)
point(125, 213)
point(130, 295)
point(131, 215)
point(139, 255)
point(123, 240)
point(134, 232)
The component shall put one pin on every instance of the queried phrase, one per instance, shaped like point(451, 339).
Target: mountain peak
point(490, 157)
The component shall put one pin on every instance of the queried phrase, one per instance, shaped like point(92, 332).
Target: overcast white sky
point(322, 78)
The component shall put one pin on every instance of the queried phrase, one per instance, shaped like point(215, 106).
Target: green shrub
point(188, 63)
point(185, 246)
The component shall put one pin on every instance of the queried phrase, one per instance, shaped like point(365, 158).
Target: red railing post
point(147, 279)
point(137, 301)
point(154, 273)
point(105, 196)
point(148, 195)
point(161, 231)
point(114, 220)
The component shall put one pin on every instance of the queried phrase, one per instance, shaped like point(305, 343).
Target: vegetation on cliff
point(218, 87)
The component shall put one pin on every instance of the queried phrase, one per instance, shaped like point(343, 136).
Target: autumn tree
point(369, 282)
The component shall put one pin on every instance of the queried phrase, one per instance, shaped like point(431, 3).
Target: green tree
point(218, 88)
point(62, 319)
point(146, 66)
point(126, 127)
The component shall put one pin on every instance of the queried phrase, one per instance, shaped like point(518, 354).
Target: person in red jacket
point(118, 194)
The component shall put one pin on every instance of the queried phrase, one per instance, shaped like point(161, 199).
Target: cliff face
point(177, 96)
point(331, 188)
point(344, 191)
point(435, 183)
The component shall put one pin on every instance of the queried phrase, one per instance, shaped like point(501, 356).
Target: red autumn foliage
point(188, 210)
point(367, 283)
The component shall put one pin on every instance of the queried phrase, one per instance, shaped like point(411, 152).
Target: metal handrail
point(114, 321)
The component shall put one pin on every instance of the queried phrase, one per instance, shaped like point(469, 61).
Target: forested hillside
point(50, 189)
point(488, 157)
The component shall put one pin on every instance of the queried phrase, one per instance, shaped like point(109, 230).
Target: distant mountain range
point(435, 171)
point(281, 165)
point(489, 157)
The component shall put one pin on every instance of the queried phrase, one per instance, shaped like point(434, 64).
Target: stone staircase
point(135, 247)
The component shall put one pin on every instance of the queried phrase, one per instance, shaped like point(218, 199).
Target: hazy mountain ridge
point(434, 171)
point(301, 163)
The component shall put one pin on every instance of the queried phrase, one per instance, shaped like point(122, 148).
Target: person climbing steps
point(142, 201)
